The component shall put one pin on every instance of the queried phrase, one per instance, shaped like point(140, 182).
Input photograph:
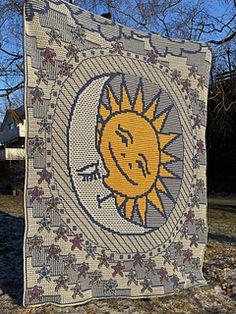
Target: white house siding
point(8, 135)
point(15, 153)
point(12, 154)
point(22, 129)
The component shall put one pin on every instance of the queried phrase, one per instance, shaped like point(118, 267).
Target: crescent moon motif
point(86, 165)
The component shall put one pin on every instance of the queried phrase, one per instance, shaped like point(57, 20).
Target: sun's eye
point(89, 172)
point(124, 139)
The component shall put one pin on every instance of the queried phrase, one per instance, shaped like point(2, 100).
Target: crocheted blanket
point(115, 195)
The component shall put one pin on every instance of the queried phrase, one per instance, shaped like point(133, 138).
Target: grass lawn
point(218, 297)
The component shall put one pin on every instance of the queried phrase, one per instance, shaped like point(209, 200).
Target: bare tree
point(185, 19)
point(11, 53)
point(170, 18)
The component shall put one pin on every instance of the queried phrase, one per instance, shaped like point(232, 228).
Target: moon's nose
point(101, 168)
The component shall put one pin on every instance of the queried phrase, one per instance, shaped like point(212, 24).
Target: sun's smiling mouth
point(124, 174)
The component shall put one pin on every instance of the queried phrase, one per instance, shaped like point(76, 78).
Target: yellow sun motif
point(131, 142)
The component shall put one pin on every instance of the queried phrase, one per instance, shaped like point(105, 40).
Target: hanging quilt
point(115, 193)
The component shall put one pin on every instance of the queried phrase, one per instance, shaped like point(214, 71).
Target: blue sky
point(216, 8)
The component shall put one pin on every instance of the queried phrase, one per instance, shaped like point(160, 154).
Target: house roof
point(20, 112)
point(18, 115)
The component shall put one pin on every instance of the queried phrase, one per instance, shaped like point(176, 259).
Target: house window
point(11, 126)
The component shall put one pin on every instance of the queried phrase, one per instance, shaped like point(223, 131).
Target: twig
point(11, 90)
point(143, 24)
point(9, 101)
point(3, 70)
point(224, 40)
point(10, 53)
point(215, 29)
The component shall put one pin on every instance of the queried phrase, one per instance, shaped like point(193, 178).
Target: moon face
point(125, 146)
point(86, 165)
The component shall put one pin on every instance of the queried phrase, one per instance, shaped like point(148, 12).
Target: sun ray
point(104, 112)
point(125, 104)
point(150, 113)
point(164, 173)
point(119, 200)
point(98, 138)
point(115, 107)
point(138, 105)
point(160, 186)
point(129, 208)
point(166, 158)
point(165, 139)
point(142, 208)
point(154, 198)
point(99, 129)
point(99, 126)
point(159, 122)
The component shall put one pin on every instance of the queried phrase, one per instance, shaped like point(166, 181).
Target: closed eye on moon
point(89, 172)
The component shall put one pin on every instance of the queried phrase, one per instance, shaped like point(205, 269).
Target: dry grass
point(220, 260)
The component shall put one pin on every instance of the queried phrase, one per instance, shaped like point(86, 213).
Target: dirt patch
point(12, 205)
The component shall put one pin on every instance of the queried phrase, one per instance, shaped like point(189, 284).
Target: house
point(12, 135)
point(225, 76)
point(12, 151)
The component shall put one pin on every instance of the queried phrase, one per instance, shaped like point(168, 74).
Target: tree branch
point(4, 69)
point(214, 28)
point(10, 53)
point(143, 24)
point(11, 90)
point(224, 40)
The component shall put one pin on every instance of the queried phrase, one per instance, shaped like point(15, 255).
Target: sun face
point(131, 142)
point(132, 165)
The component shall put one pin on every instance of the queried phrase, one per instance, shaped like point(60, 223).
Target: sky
point(216, 8)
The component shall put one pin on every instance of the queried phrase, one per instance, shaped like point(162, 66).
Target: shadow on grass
point(11, 256)
point(222, 238)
